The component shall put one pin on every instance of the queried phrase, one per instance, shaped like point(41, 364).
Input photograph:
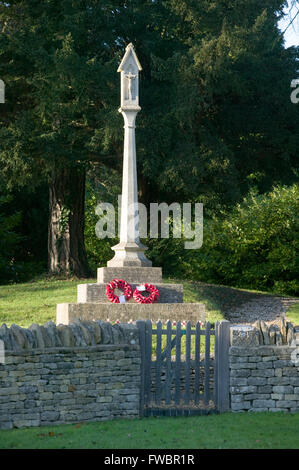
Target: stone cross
point(129, 251)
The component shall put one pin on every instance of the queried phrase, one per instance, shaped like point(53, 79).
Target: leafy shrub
point(254, 246)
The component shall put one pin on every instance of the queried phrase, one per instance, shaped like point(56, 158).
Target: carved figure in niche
point(130, 76)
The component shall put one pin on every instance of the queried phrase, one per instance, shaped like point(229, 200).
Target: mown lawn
point(293, 314)
point(35, 302)
point(226, 431)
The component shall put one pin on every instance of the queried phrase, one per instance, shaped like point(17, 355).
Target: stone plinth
point(67, 313)
point(169, 293)
point(132, 274)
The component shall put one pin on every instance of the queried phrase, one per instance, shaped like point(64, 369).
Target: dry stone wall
point(80, 372)
point(90, 371)
point(264, 368)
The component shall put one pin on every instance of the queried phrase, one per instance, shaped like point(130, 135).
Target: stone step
point(130, 274)
point(67, 313)
point(169, 293)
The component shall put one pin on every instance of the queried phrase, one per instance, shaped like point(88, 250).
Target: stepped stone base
point(131, 274)
point(67, 313)
point(169, 293)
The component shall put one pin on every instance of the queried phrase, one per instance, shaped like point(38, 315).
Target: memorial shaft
point(129, 251)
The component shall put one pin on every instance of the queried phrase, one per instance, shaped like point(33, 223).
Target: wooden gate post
point(141, 327)
point(148, 363)
point(222, 343)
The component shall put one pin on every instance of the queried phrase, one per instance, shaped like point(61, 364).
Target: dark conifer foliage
point(216, 113)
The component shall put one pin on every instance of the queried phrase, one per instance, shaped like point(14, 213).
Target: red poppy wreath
point(122, 285)
point(151, 289)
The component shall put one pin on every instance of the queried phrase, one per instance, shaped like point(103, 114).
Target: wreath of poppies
point(118, 284)
point(151, 289)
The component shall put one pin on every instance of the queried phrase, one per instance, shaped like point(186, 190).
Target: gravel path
point(267, 308)
point(241, 306)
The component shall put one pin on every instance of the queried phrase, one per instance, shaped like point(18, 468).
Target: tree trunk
point(66, 250)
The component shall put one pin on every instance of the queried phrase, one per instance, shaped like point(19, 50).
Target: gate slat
point(158, 363)
point(172, 344)
point(187, 363)
point(148, 361)
point(216, 364)
point(178, 363)
point(197, 364)
point(168, 365)
point(207, 365)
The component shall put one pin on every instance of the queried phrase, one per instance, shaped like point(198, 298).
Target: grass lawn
point(226, 431)
point(35, 302)
point(293, 314)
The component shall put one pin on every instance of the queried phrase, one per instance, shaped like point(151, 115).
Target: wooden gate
point(184, 369)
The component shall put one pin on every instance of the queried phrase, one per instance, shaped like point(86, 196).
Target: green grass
point(35, 302)
point(195, 292)
point(220, 299)
point(293, 314)
point(226, 431)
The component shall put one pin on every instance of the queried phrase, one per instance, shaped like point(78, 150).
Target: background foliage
point(217, 126)
point(254, 245)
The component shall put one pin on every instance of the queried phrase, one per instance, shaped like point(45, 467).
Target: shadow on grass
point(237, 305)
point(223, 298)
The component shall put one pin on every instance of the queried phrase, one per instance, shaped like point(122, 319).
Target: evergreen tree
point(216, 115)
point(230, 122)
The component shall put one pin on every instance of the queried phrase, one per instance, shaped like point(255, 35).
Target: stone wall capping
point(260, 333)
point(77, 334)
